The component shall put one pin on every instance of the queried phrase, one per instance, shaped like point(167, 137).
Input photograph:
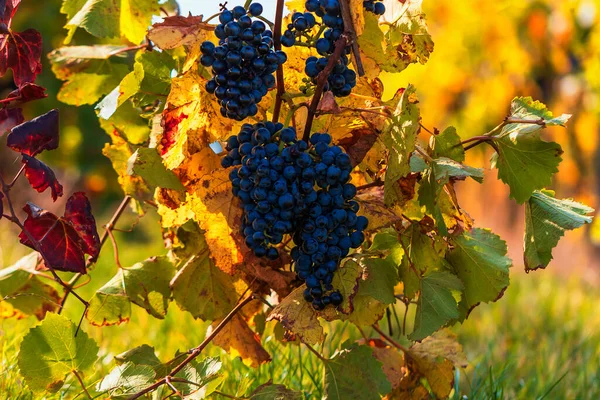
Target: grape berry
point(243, 63)
point(290, 187)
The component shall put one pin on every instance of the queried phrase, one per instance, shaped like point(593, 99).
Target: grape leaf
point(178, 31)
point(9, 118)
point(270, 391)
point(526, 163)
point(145, 284)
point(110, 19)
point(298, 318)
point(202, 289)
point(87, 88)
point(448, 144)
point(147, 163)
point(78, 211)
point(70, 60)
point(41, 177)
point(21, 52)
point(392, 361)
point(36, 135)
point(406, 42)
point(436, 305)
point(203, 374)
point(400, 137)
point(141, 355)
point(23, 293)
point(346, 280)
point(25, 93)
point(126, 380)
point(379, 278)
point(546, 220)
point(355, 373)
point(128, 87)
point(8, 8)
point(479, 259)
point(238, 339)
point(50, 351)
point(525, 108)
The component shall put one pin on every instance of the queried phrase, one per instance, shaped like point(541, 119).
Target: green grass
point(540, 341)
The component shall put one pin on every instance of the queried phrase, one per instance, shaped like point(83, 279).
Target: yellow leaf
point(237, 338)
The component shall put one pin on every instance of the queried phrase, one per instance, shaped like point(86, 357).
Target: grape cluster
point(342, 79)
point(374, 6)
point(290, 187)
point(243, 63)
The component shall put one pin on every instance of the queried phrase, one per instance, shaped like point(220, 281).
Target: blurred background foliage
point(544, 332)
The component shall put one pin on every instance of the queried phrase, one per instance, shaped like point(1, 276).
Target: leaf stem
point(195, 352)
point(82, 384)
point(391, 341)
point(279, 74)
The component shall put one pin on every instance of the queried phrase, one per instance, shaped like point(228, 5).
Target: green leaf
point(546, 220)
point(354, 373)
point(379, 279)
point(23, 292)
point(205, 376)
point(147, 163)
point(423, 254)
point(87, 88)
point(524, 108)
point(145, 284)
point(346, 280)
point(436, 305)
point(141, 355)
point(126, 121)
point(126, 380)
point(203, 290)
point(386, 239)
point(446, 169)
point(128, 87)
point(479, 259)
point(51, 351)
point(270, 391)
point(129, 19)
point(400, 137)
point(526, 163)
point(447, 144)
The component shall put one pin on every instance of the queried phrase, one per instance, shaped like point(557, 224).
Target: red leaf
point(58, 241)
point(36, 135)
point(358, 145)
point(41, 177)
point(21, 51)
point(27, 92)
point(8, 8)
point(78, 212)
point(9, 118)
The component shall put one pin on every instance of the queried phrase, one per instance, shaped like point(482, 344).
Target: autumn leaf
point(9, 118)
point(41, 177)
point(21, 52)
point(237, 338)
point(36, 135)
point(178, 31)
point(25, 93)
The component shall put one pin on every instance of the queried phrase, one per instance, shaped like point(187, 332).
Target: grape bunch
point(243, 63)
point(290, 187)
point(342, 79)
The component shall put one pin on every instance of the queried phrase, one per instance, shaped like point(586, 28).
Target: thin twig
point(82, 384)
point(195, 352)
point(316, 353)
point(340, 46)
point(391, 341)
point(277, 44)
point(375, 183)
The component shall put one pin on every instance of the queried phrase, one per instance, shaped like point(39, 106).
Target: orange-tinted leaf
point(41, 177)
point(179, 31)
point(62, 246)
point(78, 212)
point(21, 52)
point(36, 135)
point(9, 118)
point(238, 338)
point(359, 143)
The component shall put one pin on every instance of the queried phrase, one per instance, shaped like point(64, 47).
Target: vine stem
point(279, 74)
point(110, 226)
point(391, 341)
point(195, 352)
point(340, 46)
point(486, 137)
point(375, 183)
point(349, 26)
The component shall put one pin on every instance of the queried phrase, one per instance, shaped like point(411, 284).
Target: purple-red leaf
point(7, 10)
point(9, 118)
point(59, 242)
point(36, 135)
point(21, 51)
point(27, 92)
point(41, 177)
point(78, 212)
